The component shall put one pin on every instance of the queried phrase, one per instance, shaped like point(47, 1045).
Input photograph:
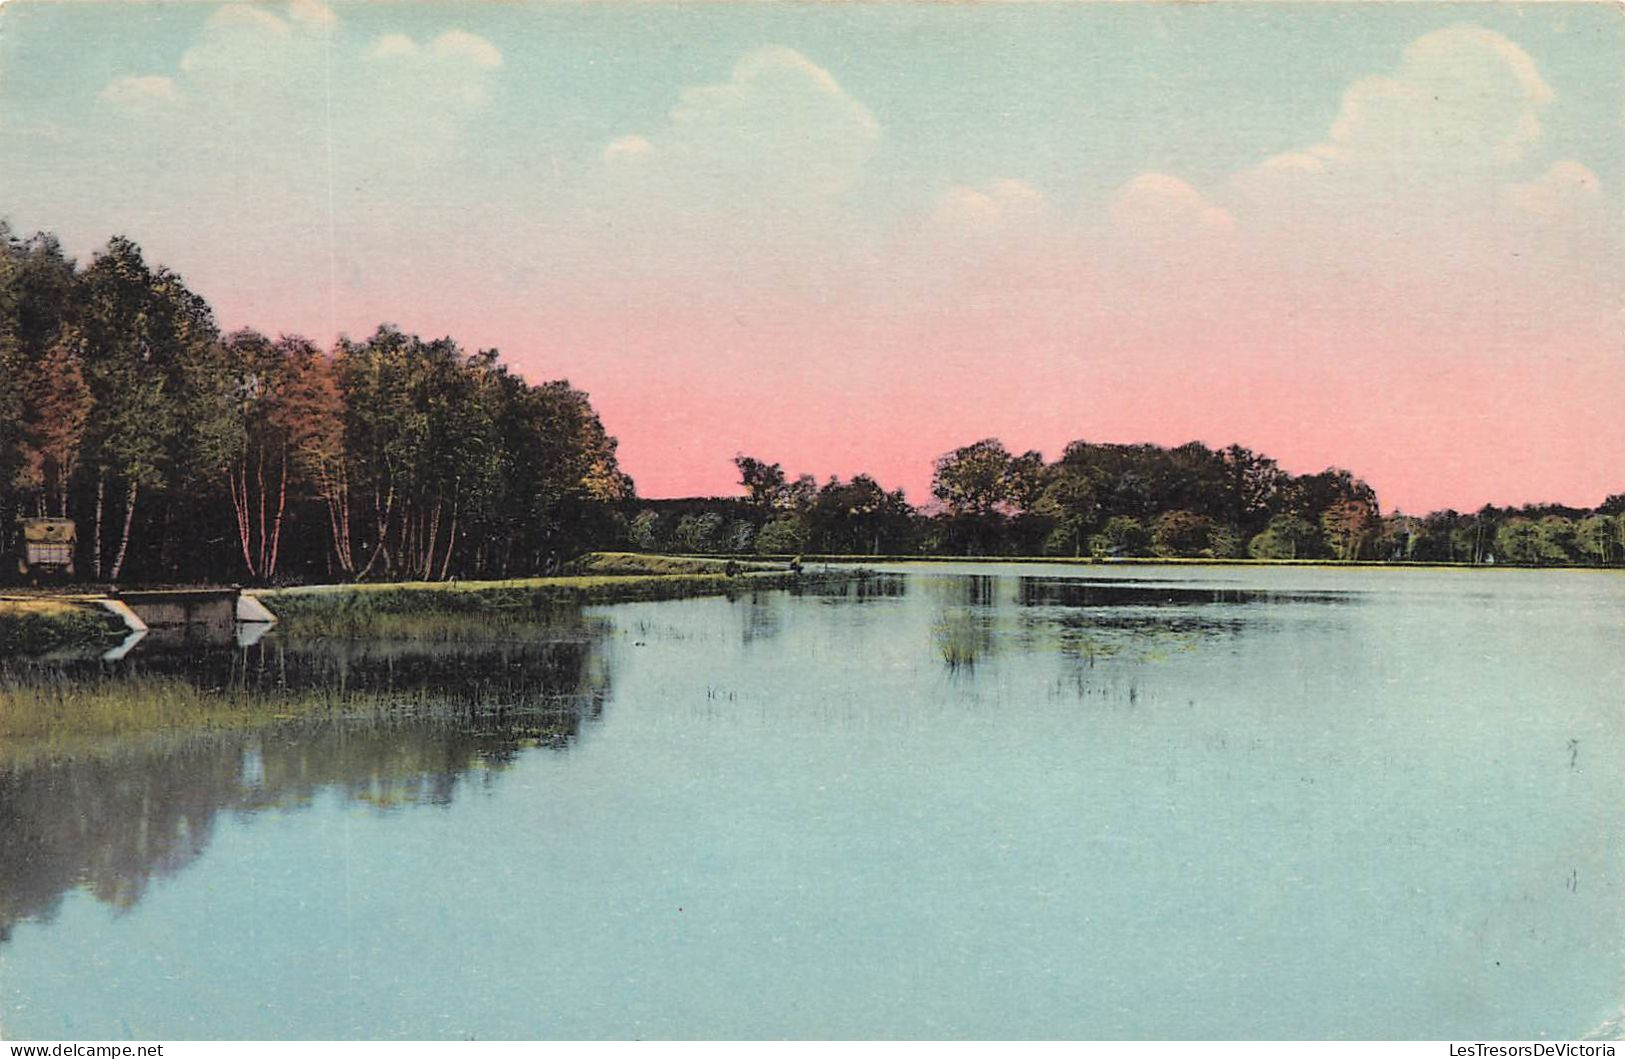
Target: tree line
point(186, 454)
point(1111, 500)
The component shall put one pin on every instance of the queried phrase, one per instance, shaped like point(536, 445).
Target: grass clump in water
point(52, 710)
point(962, 640)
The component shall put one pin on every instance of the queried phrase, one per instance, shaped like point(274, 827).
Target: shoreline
point(1152, 560)
point(38, 622)
point(35, 622)
point(360, 610)
point(37, 717)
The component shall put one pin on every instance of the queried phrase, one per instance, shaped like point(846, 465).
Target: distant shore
point(1153, 560)
point(40, 621)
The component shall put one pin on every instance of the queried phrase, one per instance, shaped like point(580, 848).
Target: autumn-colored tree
point(55, 407)
point(312, 410)
point(1349, 526)
point(253, 411)
point(38, 306)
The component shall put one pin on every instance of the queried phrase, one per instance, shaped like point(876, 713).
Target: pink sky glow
point(1398, 256)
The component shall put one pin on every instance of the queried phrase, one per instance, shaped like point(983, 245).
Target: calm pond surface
point(1050, 802)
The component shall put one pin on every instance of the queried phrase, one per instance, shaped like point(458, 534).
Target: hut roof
point(48, 530)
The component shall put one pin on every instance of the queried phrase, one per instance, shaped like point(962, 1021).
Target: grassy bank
point(371, 610)
point(36, 624)
point(625, 564)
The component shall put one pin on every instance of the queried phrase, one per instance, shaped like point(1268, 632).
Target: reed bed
point(116, 706)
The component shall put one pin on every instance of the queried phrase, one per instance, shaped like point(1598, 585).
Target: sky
point(849, 238)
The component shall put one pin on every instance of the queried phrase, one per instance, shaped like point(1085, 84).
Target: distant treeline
point(185, 454)
point(1106, 500)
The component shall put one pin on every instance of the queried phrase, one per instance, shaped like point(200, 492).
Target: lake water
point(1037, 802)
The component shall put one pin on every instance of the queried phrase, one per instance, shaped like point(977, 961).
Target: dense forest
point(186, 454)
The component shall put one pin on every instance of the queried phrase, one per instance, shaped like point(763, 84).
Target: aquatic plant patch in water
point(66, 704)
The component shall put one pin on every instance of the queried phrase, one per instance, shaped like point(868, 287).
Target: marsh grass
point(53, 714)
point(52, 718)
point(60, 713)
point(962, 639)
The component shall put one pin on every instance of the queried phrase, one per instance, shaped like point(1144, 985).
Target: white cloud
point(970, 209)
point(1462, 90)
point(986, 241)
point(1567, 190)
point(780, 126)
point(299, 132)
point(240, 18)
point(247, 51)
point(460, 45)
point(312, 13)
point(627, 147)
point(1158, 206)
point(146, 93)
point(1428, 172)
point(750, 181)
point(1310, 161)
point(391, 46)
point(453, 69)
point(453, 48)
point(1463, 101)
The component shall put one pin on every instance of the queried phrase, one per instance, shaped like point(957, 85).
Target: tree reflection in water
point(980, 616)
point(382, 723)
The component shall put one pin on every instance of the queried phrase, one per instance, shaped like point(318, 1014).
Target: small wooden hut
point(47, 547)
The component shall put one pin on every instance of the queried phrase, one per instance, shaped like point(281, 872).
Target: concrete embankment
point(37, 622)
